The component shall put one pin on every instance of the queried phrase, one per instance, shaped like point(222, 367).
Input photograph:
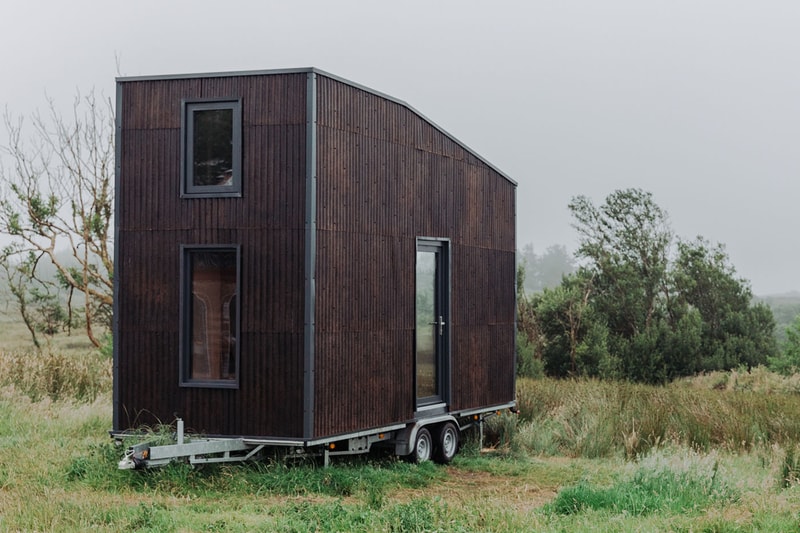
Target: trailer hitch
point(135, 457)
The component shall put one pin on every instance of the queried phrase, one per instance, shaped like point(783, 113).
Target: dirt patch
point(463, 486)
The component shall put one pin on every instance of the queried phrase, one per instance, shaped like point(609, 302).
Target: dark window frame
point(185, 328)
point(188, 188)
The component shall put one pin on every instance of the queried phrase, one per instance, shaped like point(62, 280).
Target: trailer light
point(475, 417)
point(145, 454)
point(380, 436)
point(332, 445)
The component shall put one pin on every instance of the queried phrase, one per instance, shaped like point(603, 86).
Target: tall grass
point(660, 482)
point(591, 418)
point(666, 464)
point(81, 376)
point(67, 367)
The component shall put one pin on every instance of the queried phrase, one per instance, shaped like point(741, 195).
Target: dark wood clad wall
point(267, 223)
point(385, 177)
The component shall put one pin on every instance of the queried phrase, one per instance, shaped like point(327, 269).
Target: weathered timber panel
point(483, 328)
point(267, 222)
point(346, 398)
point(385, 177)
point(362, 368)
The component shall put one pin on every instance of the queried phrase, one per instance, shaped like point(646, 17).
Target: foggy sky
point(695, 101)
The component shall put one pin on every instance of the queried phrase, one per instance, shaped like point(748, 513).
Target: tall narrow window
point(212, 148)
point(209, 351)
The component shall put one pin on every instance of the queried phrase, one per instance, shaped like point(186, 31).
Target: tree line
point(645, 305)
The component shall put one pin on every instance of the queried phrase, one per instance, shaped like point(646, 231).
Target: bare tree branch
point(60, 198)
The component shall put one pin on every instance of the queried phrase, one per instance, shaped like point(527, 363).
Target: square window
point(210, 317)
point(212, 149)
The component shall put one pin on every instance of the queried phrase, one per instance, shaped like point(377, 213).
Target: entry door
point(432, 344)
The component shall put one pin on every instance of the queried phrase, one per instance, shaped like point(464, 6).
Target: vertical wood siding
point(385, 177)
point(267, 222)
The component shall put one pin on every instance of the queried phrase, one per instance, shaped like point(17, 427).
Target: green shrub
point(528, 365)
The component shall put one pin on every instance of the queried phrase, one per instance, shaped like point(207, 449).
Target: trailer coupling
point(196, 451)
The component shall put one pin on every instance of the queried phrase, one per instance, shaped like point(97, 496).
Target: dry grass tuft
point(55, 376)
point(591, 418)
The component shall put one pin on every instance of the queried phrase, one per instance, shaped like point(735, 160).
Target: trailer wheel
point(446, 443)
point(423, 446)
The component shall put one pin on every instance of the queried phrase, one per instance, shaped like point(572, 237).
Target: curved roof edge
point(321, 72)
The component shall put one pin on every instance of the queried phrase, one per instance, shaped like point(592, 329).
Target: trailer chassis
point(435, 436)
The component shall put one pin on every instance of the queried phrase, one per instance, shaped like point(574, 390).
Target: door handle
point(439, 323)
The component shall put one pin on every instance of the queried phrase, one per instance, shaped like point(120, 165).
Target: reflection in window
point(212, 330)
point(212, 148)
point(426, 330)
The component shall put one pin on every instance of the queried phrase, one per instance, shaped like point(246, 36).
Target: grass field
point(717, 453)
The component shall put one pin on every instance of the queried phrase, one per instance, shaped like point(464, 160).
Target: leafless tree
point(57, 201)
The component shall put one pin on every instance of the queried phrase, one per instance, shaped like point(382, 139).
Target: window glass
point(212, 316)
point(212, 149)
point(427, 321)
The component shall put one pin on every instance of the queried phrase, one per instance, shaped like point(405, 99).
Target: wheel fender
point(404, 443)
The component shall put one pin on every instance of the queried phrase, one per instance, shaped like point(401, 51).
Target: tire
point(447, 436)
point(423, 446)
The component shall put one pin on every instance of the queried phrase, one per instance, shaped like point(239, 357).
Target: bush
point(528, 365)
point(787, 362)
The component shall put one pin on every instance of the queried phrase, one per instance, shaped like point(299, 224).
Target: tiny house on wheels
point(304, 262)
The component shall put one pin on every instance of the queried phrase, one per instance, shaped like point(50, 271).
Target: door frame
point(443, 250)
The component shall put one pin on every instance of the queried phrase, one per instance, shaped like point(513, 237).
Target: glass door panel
point(432, 298)
point(426, 327)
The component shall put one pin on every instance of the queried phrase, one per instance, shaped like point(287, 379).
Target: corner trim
point(117, 264)
point(310, 256)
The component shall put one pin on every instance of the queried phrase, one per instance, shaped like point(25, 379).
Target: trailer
point(304, 263)
point(436, 438)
